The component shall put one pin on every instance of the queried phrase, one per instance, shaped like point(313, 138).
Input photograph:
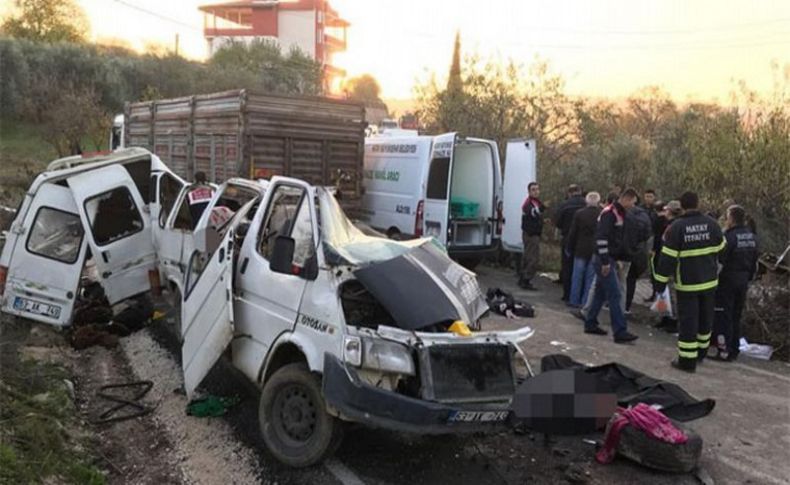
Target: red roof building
point(310, 25)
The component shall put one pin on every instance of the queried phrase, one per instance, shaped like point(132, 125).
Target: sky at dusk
point(603, 48)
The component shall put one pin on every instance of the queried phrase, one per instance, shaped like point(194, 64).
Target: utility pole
point(176, 44)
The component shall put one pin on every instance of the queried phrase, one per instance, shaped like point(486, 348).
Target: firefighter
point(690, 252)
point(739, 263)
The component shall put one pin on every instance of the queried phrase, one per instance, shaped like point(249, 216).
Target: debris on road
point(112, 414)
point(505, 304)
point(211, 406)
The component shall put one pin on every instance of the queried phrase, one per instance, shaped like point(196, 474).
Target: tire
point(659, 455)
point(470, 262)
point(293, 420)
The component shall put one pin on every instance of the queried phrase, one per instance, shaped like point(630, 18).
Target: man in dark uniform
point(692, 244)
point(562, 221)
point(609, 256)
point(531, 228)
point(739, 263)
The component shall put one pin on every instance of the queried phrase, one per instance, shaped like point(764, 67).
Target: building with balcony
point(313, 26)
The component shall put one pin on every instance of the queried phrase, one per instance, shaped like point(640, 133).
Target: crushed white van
point(82, 207)
point(332, 325)
point(447, 186)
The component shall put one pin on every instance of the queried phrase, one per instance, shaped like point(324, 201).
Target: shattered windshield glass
point(344, 243)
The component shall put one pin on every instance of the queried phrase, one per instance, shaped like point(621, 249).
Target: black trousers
point(636, 270)
point(730, 299)
point(566, 268)
point(695, 319)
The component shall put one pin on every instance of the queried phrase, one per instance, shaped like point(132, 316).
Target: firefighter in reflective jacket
point(690, 255)
point(739, 264)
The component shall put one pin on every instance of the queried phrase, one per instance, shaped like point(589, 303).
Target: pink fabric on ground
point(645, 418)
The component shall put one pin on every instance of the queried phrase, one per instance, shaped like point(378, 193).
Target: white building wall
point(297, 28)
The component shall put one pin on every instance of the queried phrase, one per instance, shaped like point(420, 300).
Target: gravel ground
point(206, 448)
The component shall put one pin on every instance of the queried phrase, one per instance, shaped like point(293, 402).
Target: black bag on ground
point(633, 387)
point(500, 302)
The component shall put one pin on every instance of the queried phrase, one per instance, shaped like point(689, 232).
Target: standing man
point(690, 255)
point(610, 252)
point(198, 196)
point(638, 237)
point(531, 229)
point(562, 221)
point(739, 263)
point(581, 243)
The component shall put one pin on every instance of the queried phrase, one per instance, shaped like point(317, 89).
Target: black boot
point(686, 365)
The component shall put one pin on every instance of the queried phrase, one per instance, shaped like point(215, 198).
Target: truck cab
point(335, 326)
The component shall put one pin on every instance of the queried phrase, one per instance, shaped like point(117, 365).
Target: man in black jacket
point(690, 255)
point(581, 243)
point(739, 263)
point(531, 228)
point(610, 252)
point(562, 221)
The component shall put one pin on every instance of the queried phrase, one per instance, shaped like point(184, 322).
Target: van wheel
point(393, 233)
point(470, 262)
point(292, 416)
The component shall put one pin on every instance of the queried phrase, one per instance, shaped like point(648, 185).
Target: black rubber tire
point(470, 262)
point(636, 445)
point(294, 388)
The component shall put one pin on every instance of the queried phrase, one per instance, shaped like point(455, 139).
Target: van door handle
point(106, 274)
point(244, 265)
point(105, 255)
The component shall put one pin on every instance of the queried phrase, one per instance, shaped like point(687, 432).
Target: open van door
point(46, 262)
point(520, 170)
point(206, 311)
point(437, 192)
point(118, 230)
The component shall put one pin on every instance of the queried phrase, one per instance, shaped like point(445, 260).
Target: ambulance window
point(140, 172)
point(169, 188)
point(113, 215)
point(437, 178)
point(56, 235)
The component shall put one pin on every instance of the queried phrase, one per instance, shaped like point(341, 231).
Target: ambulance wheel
point(293, 420)
point(393, 233)
point(470, 262)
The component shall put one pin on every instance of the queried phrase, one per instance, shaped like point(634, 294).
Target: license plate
point(39, 308)
point(477, 416)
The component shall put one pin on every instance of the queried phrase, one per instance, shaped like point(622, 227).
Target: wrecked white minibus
point(332, 325)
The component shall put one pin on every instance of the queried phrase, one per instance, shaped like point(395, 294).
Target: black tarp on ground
point(633, 387)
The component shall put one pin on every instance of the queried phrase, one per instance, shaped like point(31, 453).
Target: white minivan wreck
point(331, 325)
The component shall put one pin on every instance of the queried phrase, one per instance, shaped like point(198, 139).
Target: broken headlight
point(378, 354)
point(387, 356)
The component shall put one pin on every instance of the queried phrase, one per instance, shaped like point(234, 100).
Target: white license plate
point(39, 308)
point(478, 416)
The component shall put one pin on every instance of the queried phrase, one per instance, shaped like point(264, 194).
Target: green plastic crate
point(463, 208)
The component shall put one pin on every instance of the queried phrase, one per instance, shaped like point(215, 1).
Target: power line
point(158, 15)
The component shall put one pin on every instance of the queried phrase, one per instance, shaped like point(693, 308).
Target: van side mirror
point(282, 255)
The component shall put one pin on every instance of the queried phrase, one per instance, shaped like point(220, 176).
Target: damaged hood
point(424, 287)
point(415, 281)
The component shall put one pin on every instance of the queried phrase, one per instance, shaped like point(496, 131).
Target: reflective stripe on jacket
point(690, 252)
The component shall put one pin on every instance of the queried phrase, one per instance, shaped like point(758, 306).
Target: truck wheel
point(292, 415)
